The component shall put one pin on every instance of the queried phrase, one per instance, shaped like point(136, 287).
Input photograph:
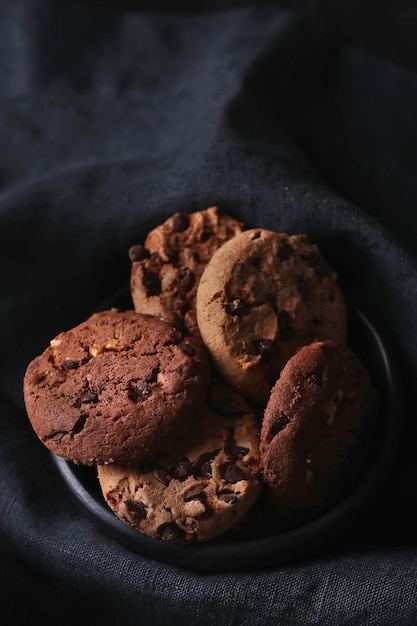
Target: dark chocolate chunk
point(152, 283)
point(279, 423)
point(233, 474)
point(136, 510)
point(227, 496)
point(138, 253)
point(187, 348)
point(58, 437)
point(88, 398)
point(183, 469)
point(69, 364)
point(285, 251)
point(316, 376)
point(172, 532)
point(205, 469)
point(187, 283)
point(238, 452)
point(162, 475)
point(180, 222)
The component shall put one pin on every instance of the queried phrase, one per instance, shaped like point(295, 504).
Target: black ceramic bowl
point(258, 542)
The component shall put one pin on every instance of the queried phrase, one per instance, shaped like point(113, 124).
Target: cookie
point(166, 270)
point(262, 296)
point(115, 388)
point(201, 486)
point(316, 429)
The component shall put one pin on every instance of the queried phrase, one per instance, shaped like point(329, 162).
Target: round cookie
point(316, 429)
point(201, 486)
point(115, 387)
point(261, 297)
point(166, 270)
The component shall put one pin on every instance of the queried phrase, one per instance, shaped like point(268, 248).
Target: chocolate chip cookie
point(262, 296)
point(166, 270)
point(200, 486)
point(117, 387)
point(316, 428)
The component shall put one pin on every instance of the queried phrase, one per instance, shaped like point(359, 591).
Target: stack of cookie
point(231, 377)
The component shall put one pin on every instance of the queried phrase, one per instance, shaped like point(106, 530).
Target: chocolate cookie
point(262, 296)
point(115, 388)
point(202, 485)
point(316, 429)
point(167, 268)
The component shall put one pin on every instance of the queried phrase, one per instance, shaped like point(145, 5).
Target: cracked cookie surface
point(316, 429)
point(262, 296)
point(166, 270)
point(115, 387)
point(201, 486)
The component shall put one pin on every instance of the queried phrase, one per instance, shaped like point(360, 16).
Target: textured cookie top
point(202, 485)
point(262, 296)
point(167, 268)
point(313, 432)
point(115, 387)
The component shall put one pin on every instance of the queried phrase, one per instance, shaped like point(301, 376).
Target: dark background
point(113, 117)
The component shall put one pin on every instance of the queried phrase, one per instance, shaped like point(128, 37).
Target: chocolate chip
point(79, 425)
point(182, 470)
point(238, 452)
point(227, 496)
point(38, 378)
point(139, 390)
point(180, 222)
point(172, 532)
point(236, 306)
point(162, 475)
point(279, 423)
point(285, 251)
point(58, 437)
point(135, 510)
point(316, 376)
point(172, 254)
point(302, 286)
point(88, 398)
point(263, 347)
point(179, 324)
point(187, 348)
point(206, 234)
point(233, 474)
point(205, 469)
point(152, 284)
point(286, 330)
point(69, 364)
point(187, 283)
point(138, 253)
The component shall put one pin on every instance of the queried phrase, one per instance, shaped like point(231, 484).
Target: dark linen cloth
point(110, 121)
